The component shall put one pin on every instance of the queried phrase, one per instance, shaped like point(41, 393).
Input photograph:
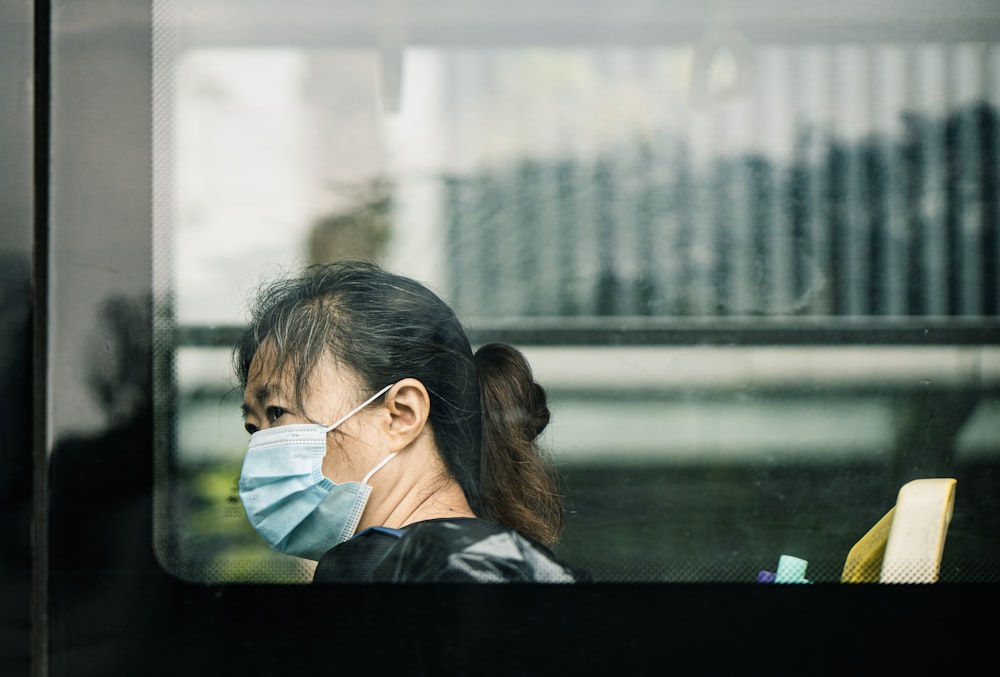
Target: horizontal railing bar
point(640, 331)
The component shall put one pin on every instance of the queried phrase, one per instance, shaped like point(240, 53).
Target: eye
point(274, 413)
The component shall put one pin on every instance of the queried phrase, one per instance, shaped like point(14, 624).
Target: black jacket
point(463, 550)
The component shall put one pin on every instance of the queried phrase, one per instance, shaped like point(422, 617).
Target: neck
point(448, 502)
point(412, 488)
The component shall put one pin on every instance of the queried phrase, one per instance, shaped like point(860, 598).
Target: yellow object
point(864, 561)
point(906, 545)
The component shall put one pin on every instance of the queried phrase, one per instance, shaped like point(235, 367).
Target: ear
point(408, 405)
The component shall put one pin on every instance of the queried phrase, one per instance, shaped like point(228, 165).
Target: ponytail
point(520, 487)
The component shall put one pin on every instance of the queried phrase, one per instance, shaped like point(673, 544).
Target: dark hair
point(486, 410)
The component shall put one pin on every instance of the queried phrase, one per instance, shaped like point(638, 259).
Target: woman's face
point(332, 391)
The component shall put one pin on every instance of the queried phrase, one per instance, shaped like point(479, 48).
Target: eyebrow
point(260, 394)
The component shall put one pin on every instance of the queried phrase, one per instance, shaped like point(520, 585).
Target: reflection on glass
point(622, 187)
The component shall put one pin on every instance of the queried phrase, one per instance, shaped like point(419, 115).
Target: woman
point(382, 446)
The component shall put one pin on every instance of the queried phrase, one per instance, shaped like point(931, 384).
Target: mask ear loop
point(378, 467)
point(361, 406)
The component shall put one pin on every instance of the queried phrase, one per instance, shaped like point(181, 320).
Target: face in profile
point(330, 392)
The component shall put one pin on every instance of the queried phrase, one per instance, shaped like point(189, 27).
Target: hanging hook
point(723, 62)
point(391, 37)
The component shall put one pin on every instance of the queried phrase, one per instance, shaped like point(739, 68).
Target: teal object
point(791, 570)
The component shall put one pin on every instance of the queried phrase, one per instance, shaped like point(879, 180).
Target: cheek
point(329, 471)
point(335, 465)
point(346, 458)
point(350, 455)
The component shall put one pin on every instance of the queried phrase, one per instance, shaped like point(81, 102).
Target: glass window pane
point(756, 268)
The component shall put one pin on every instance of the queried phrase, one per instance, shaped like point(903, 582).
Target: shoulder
point(354, 560)
point(471, 551)
point(463, 550)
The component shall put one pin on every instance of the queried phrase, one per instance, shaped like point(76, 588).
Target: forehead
point(265, 378)
point(263, 368)
point(265, 381)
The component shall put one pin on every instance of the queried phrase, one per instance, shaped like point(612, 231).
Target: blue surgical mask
point(294, 508)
